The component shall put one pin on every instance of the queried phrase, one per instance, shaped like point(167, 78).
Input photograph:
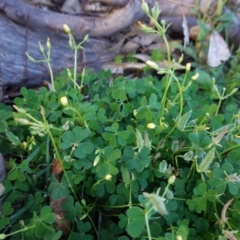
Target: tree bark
point(16, 40)
point(22, 26)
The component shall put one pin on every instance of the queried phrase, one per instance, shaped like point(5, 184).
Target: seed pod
point(208, 159)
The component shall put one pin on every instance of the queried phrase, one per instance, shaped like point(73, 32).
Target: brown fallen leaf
point(60, 223)
point(56, 167)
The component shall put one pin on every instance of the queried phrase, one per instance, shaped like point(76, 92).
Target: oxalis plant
point(121, 158)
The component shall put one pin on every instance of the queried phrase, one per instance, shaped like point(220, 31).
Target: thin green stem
point(78, 113)
point(164, 98)
point(75, 66)
point(61, 163)
point(148, 228)
point(47, 161)
point(227, 150)
point(130, 196)
point(82, 80)
point(190, 171)
point(181, 107)
point(51, 75)
point(58, 155)
point(119, 206)
point(165, 191)
point(168, 76)
point(21, 230)
point(92, 224)
point(220, 101)
point(161, 31)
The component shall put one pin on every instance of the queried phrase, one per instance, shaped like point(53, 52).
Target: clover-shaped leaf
point(136, 222)
point(83, 149)
point(46, 215)
point(74, 137)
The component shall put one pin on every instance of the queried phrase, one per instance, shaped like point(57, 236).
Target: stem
point(75, 67)
point(51, 75)
point(93, 225)
point(21, 230)
point(47, 161)
point(220, 102)
point(119, 206)
point(58, 155)
point(78, 113)
point(83, 75)
point(130, 196)
point(218, 107)
point(227, 150)
point(190, 171)
point(148, 228)
point(168, 77)
point(165, 191)
point(61, 163)
point(181, 107)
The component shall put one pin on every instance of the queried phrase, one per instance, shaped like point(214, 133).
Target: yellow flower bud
point(3, 236)
point(22, 121)
point(48, 44)
point(41, 47)
point(171, 180)
point(64, 101)
point(108, 177)
point(152, 65)
point(66, 29)
point(151, 125)
point(195, 77)
point(24, 145)
point(188, 67)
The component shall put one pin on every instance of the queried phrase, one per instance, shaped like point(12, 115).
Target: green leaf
point(112, 154)
point(46, 215)
point(7, 208)
point(183, 231)
point(119, 94)
point(144, 102)
point(199, 139)
point(139, 139)
point(204, 79)
point(107, 168)
point(111, 138)
point(182, 121)
point(60, 192)
point(233, 188)
point(58, 189)
point(208, 159)
point(13, 139)
point(83, 149)
point(73, 137)
point(125, 174)
point(136, 222)
point(153, 102)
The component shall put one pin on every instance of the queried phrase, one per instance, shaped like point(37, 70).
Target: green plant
point(123, 159)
